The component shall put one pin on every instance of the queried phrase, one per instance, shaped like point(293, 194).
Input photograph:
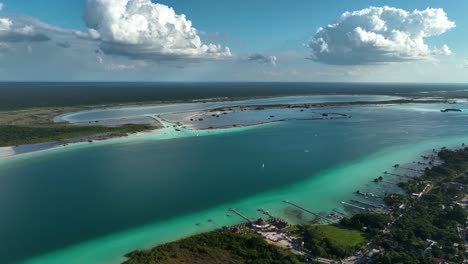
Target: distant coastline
point(56, 94)
point(137, 129)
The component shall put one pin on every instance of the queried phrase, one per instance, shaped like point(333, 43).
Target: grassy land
point(216, 247)
point(37, 125)
point(292, 229)
point(34, 116)
point(20, 135)
point(342, 237)
point(331, 241)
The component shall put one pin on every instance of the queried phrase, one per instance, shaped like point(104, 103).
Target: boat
point(451, 110)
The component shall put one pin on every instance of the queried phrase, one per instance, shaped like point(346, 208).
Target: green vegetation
point(292, 229)
point(428, 226)
point(427, 220)
point(216, 247)
point(30, 95)
point(341, 236)
point(331, 241)
point(19, 135)
point(37, 125)
point(373, 223)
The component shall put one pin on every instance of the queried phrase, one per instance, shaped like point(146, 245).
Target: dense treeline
point(216, 247)
point(373, 223)
point(19, 135)
point(226, 247)
point(410, 238)
point(30, 95)
point(427, 227)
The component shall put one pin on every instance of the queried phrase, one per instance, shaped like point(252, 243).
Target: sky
point(255, 40)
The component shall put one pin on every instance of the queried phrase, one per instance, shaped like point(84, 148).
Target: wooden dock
point(265, 212)
point(308, 211)
point(389, 182)
point(241, 215)
point(339, 212)
point(368, 204)
point(354, 206)
point(411, 169)
point(401, 176)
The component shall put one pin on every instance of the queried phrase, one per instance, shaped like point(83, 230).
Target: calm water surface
point(53, 201)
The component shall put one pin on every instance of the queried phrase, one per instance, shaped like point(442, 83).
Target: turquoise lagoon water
point(92, 203)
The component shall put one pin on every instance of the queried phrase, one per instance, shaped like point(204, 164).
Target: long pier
point(308, 211)
point(354, 206)
point(265, 212)
point(388, 182)
point(411, 169)
point(398, 175)
point(241, 215)
point(368, 194)
point(368, 204)
point(339, 212)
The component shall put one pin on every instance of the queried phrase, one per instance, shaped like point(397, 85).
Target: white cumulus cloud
point(444, 51)
point(11, 31)
point(141, 29)
point(379, 35)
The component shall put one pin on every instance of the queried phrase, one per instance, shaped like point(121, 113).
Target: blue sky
point(255, 31)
